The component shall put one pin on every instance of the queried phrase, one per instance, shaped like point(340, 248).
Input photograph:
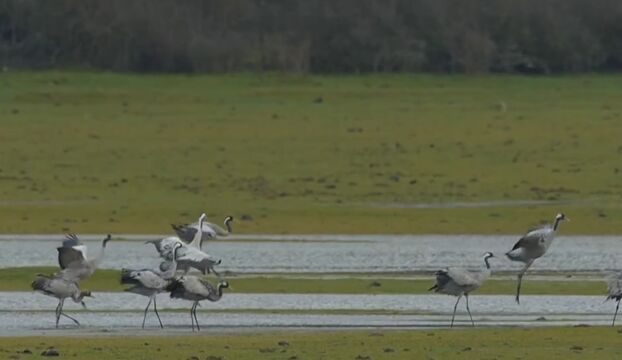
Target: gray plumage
point(187, 232)
point(614, 291)
point(74, 262)
point(188, 256)
point(195, 289)
point(150, 282)
point(458, 282)
point(533, 245)
point(61, 289)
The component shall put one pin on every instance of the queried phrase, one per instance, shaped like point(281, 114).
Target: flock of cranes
point(184, 252)
point(179, 253)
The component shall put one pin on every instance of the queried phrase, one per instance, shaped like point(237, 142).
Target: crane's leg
point(69, 317)
point(454, 315)
point(155, 308)
point(191, 315)
point(146, 310)
point(616, 313)
point(466, 296)
point(520, 279)
point(60, 301)
point(195, 318)
point(59, 312)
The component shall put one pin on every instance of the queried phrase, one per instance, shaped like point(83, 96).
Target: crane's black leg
point(146, 310)
point(58, 307)
point(59, 312)
point(155, 308)
point(191, 315)
point(616, 313)
point(466, 296)
point(454, 315)
point(195, 317)
point(520, 279)
point(69, 317)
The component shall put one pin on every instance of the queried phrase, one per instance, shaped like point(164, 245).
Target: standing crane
point(614, 288)
point(150, 282)
point(61, 289)
point(195, 289)
point(533, 245)
point(458, 282)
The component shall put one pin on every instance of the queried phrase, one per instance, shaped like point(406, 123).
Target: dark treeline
point(321, 36)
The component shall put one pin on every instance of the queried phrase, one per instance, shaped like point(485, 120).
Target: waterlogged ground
point(28, 313)
point(336, 253)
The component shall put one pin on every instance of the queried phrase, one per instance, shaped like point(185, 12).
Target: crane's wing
point(146, 278)
point(532, 239)
point(462, 276)
point(75, 272)
point(195, 258)
point(165, 246)
point(70, 255)
point(454, 276)
point(199, 286)
point(213, 230)
point(185, 232)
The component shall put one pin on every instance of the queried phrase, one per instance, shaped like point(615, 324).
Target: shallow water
point(438, 304)
point(336, 253)
point(21, 313)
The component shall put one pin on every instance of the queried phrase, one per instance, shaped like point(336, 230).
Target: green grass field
point(508, 343)
point(19, 279)
point(101, 152)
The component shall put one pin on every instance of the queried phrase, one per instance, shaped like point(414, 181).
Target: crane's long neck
point(197, 239)
point(79, 295)
point(487, 263)
point(215, 296)
point(556, 223)
point(100, 257)
point(227, 223)
point(172, 269)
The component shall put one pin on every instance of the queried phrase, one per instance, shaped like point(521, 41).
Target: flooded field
point(113, 313)
point(335, 253)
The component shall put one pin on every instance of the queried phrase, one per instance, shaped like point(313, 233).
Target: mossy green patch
point(102, 152)
point(19, 279)
point(496, 343)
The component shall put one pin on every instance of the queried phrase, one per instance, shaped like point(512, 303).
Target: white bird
point(150, 282)
point(74, 262)
point(533, 245)
point(61, 289)
point(195, 289)
point(614, 288)
point(187, 232)
point(458, 282)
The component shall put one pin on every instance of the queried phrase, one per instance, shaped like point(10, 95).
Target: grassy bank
point(545, 343)
point(19, 279)
point(88, 152)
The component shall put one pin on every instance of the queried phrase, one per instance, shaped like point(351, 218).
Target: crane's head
point(488, 255)
point(223, 284)
point(108, 237)
point(177, 246)
point(228, 219)
point(561, 217)
point(202, 217)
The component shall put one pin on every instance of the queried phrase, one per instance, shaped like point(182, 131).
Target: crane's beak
point(83, 305)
